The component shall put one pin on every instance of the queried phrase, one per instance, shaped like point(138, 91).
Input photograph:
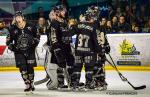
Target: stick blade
point(41, 81)
point(140, 88)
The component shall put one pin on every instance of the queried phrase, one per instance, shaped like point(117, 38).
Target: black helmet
point(59, 8)
point(18, 13)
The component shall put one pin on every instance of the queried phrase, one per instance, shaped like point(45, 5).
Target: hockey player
point(50, 59)
point(67, 40)
point(99, 68)
point(86, 49)
point(22, 40)
point(99, 71)
point(60, 45)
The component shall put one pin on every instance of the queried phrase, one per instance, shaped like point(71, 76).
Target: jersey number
point(53, 35)
point(83, 40)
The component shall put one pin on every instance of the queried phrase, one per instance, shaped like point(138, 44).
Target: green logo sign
point(127, 48)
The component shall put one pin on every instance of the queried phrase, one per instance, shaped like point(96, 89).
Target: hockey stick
point(42, 81)
point(47, 77)
point(122, 77)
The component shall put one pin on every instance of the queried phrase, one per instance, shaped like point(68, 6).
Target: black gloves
point(12, 47)
point(36, 42)
point(107, 48)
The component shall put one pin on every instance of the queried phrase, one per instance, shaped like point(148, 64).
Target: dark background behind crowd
point(116, 16)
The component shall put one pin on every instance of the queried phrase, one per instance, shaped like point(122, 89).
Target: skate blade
point(89, 90)
point(64, 89)
point(101, 89)
point(80, 90)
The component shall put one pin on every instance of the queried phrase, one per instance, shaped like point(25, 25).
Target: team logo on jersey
point(25, 42)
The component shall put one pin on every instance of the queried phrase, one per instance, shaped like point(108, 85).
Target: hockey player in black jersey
point(22, 40)
point(99, 68)
point(66, 43)
point(59, 40)
point(86, 49)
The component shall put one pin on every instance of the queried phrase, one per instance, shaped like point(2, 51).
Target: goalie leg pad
point(52, 73)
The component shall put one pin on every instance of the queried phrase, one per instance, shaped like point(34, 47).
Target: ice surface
point(11, 85)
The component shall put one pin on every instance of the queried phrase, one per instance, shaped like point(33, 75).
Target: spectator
point(42, 26)
point(103, 24)
point(115, 24)
point(141, 17)
point(3, 29)
point(111, 12)
point(123, 26)
point(147, 27)
point(134, 9)
point(109, 26)
point(133, 26)
point(135, 13)
point(40, 12)
point(142, 11)
point(141, 21)
point(118, 12)
point(137, 29)
point(128, 14)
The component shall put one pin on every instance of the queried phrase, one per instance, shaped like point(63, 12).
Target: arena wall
point(132, 50)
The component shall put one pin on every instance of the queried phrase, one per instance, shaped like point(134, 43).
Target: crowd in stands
point(120, 18)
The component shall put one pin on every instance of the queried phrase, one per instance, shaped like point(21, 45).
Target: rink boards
point(129, 51)
point(122, 68)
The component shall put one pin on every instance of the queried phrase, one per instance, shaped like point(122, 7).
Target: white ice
point(11, 85)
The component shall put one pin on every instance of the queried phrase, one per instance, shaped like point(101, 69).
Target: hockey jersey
point(23, 39)
point(59, 34)
point(66, 34)
point(87, 38)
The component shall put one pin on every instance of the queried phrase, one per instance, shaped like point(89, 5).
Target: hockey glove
point(107, 49)
point(12, 47)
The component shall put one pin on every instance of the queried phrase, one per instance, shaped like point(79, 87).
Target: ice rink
point(11, 85)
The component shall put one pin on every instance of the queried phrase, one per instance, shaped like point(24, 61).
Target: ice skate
point(28, 90)
point(101, 86)
point(32, 87)
point(62, 87)
point(89, 87)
